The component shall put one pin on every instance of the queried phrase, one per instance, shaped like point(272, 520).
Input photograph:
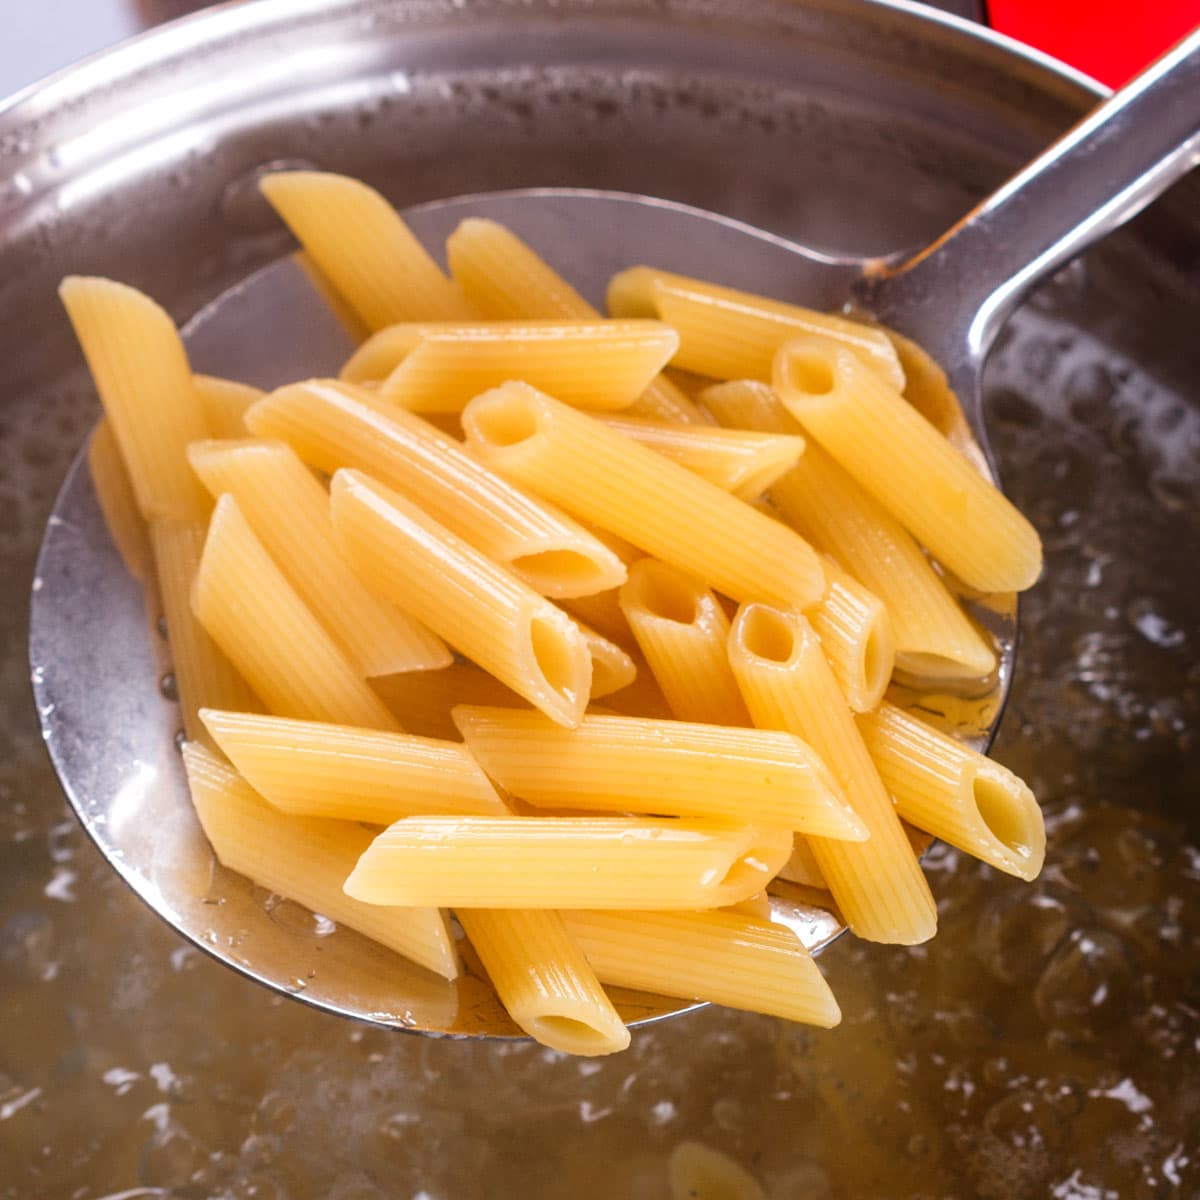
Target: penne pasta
point(114, 494)
point(288, 510)
point(683, 632)
point(672, 768)
point(934, 638)
point(612, 668)
point(362, 246)
point(506, 280)
point(307, 860)
point(141, 373)
point(743, 462)
point(787, 684)
point(332, 425)
point(544, 980)
point(282, 651)
point(968, 525)
point(573, 460)
point(598, 364)
point(956, 794)
point(313, 769)
point(481, 609)
point(567, 862)
point(734, 335)
point(723, 957)
point(203, 675)
point(225, 404)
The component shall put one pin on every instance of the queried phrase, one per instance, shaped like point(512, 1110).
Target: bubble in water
point(1088, 986)
point(169, 687)
point(1017, 932)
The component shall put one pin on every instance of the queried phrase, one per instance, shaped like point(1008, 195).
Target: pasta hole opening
point(504, 421)
point(570, 1035)
point(809, 371)
point(767, 634)
point(668, 596)
point(1006, 808)
point(878, 659)
point(559, 572)
point(554, 656)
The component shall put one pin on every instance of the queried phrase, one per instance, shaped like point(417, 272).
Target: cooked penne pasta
point(724, 957)
point(953, 792)
point(672, 768)
point(506, 280)
point(787, 684)
point(965, 522)
point(363, 247)
point(734, 335)
point(114, 494)
point(421, 700)
point(332, 425)
point(934, 638)
point(307, 860)
point(567, 862)
point(225, 403)
point(575, 461)
point(282, 651)
point(683, 632)
point(313, 769)
point(740, 461)
point(544, 980)
point(612, 668)
point(141, 373)
point(487, 613)
point(603, 365)
point(289, 512)
point(203, 675)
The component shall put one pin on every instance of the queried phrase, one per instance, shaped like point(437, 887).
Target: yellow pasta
point(612, 668)
point(363, 247)
point(724, 957)
point(968, 525)
point(332, 425)
point(313, 769)
point(787, 684)
point(203, 675)
point(282, 651)
point(598, 475)
point(743, 462)
point(307, 860)
point(506, 280)
point(567, 862)
point(421, 700)
point(289, 512)
point(141, 372)
point(674, 768)
point(487, 613)
point(734, 335)
point(934, 638)
point(225, 403)
point(682, 631)
point(544, 980)
point(951, 791)
point(603, 365)
point(114, 493)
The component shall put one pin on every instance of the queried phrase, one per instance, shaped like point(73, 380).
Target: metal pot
point(1038, 1046)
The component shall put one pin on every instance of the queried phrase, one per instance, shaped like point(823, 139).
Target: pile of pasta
point(504, 621)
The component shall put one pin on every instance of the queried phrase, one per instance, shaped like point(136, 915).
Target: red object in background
point(1110, 40)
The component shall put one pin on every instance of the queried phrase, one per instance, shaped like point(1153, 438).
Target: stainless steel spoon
point(100, 669)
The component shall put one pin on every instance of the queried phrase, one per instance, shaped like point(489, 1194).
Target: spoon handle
point(954, 295)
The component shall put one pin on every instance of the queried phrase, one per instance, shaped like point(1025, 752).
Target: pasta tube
point(682, 631)
point(575, 461)
point(674, 768)
point(141, 372)
point(612, 668)
point(225, 404)
point(289, 511)
point(734, 335)
point(544, 980)
point(114, 493)
point(312, 769)
point(955, 793)
point(878, 884)
point(723, 957)
point(488, 614)
point(567, 862)
point(934, 638)
point(251, 611)
point(966, 523)
point(361, 244)
point(588, 364)
point(307, 859)
point(332, 425)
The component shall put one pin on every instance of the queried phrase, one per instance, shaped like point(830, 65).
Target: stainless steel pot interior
point(1039, 1045)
